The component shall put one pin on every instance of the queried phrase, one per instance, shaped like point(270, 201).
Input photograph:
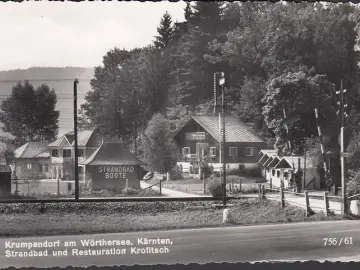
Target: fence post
point(307, 204)
point(204, 183)
point(240, 185)
point(326, 201)
point(260, 195)
point(263, 191)
point(160, 183)
point(16, 187)
point(282, 197)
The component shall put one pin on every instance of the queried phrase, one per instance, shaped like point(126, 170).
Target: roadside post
point(307, 203)
point(282, 197)
point(326, 202)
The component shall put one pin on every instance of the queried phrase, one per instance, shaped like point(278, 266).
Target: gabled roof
point(44, 154)
point(235, 130)
point(268, 151)
point(57, 142)
point(266, 163)
point(273, 162)
point(112, 153)
point(83, 138)
point(30, 150)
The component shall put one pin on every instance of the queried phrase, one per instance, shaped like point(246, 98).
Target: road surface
point(287, 242)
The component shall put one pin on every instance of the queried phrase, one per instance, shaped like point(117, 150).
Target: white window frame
point(183, 150)
point(236, 151)
point(252, 151)
point(44, 168)
point(66, 149)
point(29, 166)
point(195, 136)
point(213, 151)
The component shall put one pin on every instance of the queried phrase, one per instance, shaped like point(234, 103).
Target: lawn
point(196, 186)
point(77, 219)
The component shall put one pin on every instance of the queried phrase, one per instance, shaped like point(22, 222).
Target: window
point(66, 152)
point(249, 151)
point(29, 166)
point(46, 168)
point(278, 174)
point(232, 151)
point(54, 153)
point(81, 169)
point(273, 172)
point(186, 151)
point(286, 175)
point(80, 152)
point(200, 151)
point(212, 151)
point(195, 136)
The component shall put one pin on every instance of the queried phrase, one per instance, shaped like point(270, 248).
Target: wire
point(48, 80)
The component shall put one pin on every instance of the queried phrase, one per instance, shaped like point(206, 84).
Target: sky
point(60, 34)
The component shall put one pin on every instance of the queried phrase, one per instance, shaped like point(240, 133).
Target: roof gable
point(235, 130)
point(112, 153)
point(30, 149)
point(273, 162)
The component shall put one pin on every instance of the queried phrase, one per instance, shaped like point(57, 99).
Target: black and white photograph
point(145, 133)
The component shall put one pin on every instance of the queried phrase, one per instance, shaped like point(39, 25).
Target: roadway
point(280, 242)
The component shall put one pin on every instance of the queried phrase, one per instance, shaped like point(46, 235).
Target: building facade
point(62, 153)
point(281, 169)
point(113, 167)
point(202, 134)
point(32, 161)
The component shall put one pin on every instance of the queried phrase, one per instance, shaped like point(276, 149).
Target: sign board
point(115, 172)
point(344, 154)
point(222, 81)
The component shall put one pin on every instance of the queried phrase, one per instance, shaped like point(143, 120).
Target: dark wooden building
point(5, 181)
point(242, 145)
point(113, 167)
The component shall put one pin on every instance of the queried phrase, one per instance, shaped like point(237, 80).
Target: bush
point(194, 169)
point(175, 173)
point(353, 187)
point(214, 186)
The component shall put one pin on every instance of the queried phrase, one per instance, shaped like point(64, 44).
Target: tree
point(29, 114)
point(193, 76)
point(158, 148)
point(188, 11)
point(299, 94)
point(7, 151)
point(165, 32)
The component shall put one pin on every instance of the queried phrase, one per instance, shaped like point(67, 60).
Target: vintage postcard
point(144, 133)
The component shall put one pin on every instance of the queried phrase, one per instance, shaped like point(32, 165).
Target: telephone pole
point(76, 171)
point(343, 154)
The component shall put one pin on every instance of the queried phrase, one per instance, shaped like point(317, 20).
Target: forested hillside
point(276, 57)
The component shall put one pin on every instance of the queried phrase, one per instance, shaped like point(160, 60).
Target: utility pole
point(342, 112)
point(222, 84)
point(76, 171)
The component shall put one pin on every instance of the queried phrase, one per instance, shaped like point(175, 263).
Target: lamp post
point(222, 84)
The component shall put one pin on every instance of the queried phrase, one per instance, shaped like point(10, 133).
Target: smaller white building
point(276, 169)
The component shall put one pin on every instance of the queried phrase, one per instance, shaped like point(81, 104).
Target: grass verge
point(88, 218)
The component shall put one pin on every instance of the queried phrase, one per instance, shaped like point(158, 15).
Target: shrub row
point(104, 208)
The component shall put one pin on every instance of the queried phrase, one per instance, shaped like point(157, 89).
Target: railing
point(309, 211)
